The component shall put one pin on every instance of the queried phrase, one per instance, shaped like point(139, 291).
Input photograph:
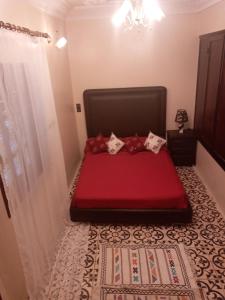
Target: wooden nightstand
point(182, 147)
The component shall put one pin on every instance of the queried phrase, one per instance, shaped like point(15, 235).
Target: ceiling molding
point(206, 4)
point(92, 12)
point(83, 9)
point(56, 8)
point(186, 6)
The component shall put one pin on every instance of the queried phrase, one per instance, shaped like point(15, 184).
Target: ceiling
point(63, 8)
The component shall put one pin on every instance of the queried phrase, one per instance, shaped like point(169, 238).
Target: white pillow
point(154, 142)
point(114, 144)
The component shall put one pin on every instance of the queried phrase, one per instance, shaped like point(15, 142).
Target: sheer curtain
point(32, 160)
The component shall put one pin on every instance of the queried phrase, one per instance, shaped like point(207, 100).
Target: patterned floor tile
point(204, 240)
point(67, 273)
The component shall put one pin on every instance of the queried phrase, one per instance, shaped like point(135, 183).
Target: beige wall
point(102, 57)
point(212, 174)
point(20, 13)
point(212, 19)
point(12, 282)
point(62, 88)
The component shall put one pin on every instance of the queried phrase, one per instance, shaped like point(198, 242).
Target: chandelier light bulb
point(152, 10)
point(137, 12)
point(121, 14)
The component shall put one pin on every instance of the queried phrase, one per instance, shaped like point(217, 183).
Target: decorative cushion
point(114, 144)
point(134, 144)
point(154, 142)
point(96, 145)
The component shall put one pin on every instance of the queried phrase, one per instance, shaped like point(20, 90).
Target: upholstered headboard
point(125, 111)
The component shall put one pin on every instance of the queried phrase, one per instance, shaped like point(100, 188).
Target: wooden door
point(210, 96)
point(219, 138)
point(203, 66)
point(215, 56)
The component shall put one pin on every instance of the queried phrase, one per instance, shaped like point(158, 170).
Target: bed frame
point(126, 112)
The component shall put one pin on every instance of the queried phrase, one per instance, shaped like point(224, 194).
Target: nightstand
point(182, 147)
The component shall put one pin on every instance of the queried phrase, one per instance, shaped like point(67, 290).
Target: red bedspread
point(142, 180)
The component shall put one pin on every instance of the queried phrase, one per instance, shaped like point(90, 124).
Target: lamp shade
point(181, 116)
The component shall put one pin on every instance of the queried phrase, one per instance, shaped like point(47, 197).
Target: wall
point(20, 13)
point(63, 94)
point(210, 20)
point(103, 57)
point(12, 282)
point(212, 174)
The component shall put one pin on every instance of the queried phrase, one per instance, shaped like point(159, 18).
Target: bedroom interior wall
point(21, 13)
point(12, 282)
point(63, 94)
point(102, 56)
point(210, 20)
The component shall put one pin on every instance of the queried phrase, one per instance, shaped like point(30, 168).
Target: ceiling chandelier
point(134, 13)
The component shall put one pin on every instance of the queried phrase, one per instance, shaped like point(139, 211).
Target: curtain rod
point(24, 30)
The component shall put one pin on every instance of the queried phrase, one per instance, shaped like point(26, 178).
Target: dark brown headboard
point(126, 111)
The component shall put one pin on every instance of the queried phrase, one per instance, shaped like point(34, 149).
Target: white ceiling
point(63, 8)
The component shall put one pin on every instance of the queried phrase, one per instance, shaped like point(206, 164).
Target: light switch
point(78, 107)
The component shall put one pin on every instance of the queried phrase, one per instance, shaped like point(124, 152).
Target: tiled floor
point(76, 267)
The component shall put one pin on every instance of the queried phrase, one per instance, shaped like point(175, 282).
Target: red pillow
point(96, 145)
point(134, 144)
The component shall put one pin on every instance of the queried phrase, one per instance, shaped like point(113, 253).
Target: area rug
point(144, 272)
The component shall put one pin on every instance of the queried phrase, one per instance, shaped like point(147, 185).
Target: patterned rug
point(150, 272)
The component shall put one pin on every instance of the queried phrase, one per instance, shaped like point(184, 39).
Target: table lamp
point(181, 118)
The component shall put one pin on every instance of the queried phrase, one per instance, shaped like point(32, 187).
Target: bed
point(127, 188)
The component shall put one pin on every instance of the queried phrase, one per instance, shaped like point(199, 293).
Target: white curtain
point(33, 168)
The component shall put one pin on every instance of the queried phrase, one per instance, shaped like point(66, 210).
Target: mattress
point(141, 180)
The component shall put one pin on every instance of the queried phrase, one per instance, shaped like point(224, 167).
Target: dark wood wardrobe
point(210, 96)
